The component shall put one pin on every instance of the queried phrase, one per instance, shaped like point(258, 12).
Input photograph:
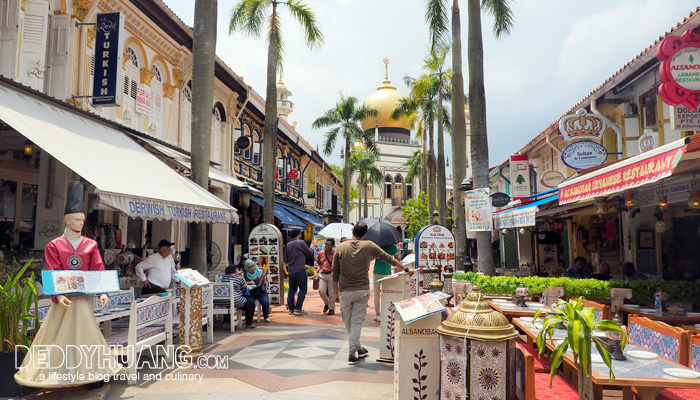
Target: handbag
point(316, 280)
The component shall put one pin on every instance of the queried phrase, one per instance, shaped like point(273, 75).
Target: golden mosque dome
point(385, 100)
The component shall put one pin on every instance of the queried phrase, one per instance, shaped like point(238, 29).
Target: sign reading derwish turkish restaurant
point(109, 41)
point(584, 154)
point(680, 70)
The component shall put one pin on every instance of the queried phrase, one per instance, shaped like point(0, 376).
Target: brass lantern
point(694, 200)
point(477, 352)
point(429, 274)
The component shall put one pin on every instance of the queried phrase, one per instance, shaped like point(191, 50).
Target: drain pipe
point(546, 140)
point(615, 127)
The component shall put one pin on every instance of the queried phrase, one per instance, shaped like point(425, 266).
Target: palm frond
point(278, 39)
point(437, 18)
point(307, 20)
point(503, 19)
point(329, 141)
point(247, 16)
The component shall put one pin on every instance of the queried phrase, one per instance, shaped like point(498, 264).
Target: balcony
point(398, 202)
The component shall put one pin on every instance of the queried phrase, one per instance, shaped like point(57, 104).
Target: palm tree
point(344, 120)
point(364, 163)
point(503, 22)
point(415, 166)
point(249, 16)
point(204, 56)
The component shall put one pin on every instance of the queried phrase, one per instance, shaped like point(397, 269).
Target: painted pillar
point(191, 319)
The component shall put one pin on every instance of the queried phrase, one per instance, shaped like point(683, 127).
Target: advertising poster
point(478, 210)
point(519, 176)
point(265, 248)
point(435, 247)
point(143, 100)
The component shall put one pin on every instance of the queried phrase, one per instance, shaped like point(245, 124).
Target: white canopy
point(128, 177)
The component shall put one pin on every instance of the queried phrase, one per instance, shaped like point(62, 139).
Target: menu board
point(76, 281)
point(265, 248)
point(191, 277)
point(419, 307)
point(435, 247)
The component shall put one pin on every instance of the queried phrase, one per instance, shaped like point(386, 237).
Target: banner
point(109, 42)
point(516, 219)
point(143, 100)
point(519, 176)
point(634, 172)
point(328, 197)
point(478, 210)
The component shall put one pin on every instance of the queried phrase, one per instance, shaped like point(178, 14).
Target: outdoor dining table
point(671, 319)
point(647, 377)
point(511, 310)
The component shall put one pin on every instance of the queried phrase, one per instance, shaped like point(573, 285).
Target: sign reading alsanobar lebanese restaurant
point(680, 70)
point(630, 173)
point(109, 41)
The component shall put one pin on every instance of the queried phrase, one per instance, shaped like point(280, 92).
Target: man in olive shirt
point(351, 280)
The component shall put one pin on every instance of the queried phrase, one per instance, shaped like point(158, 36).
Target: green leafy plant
point(417, 215)
point(16, 301)
point(310, 271)
point(580, 324)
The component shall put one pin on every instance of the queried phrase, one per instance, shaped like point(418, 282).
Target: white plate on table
point(630, 305)
point(647, 310)
point(697, 325)
point(692, 314)
point(501, 301)
point(642, 355)
point(535, 305)
point(598, 334)
point(681, 373)
point(597, 359)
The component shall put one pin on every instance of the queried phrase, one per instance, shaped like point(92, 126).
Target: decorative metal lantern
point(521, 292)
point(477, 352)
point(429, 274)
point(436, 285)
point(447, 280)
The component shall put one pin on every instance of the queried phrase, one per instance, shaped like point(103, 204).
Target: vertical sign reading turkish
point(109, 41)
point(328, 197)
point(478, 210)
point(519, 176)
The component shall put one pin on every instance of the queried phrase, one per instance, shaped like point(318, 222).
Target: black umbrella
point(381, 231)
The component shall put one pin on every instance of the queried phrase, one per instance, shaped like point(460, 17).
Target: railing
point(393, 140)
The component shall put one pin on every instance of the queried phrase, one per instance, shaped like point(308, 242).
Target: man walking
point(157, 270)
point(351, 280)
point(325, 269)
point(295, 254)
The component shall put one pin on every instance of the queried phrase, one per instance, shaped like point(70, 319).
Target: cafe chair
point(531, 385)
point(602, 311)
point(541, 362)
point(694, 364)
point(658, 337)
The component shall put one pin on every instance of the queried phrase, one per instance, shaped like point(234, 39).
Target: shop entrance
point(18, 215)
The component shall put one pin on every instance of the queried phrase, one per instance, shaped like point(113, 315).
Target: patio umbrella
point(336, 230)
point(381, 231)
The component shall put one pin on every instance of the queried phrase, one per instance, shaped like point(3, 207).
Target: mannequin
point(71, 321)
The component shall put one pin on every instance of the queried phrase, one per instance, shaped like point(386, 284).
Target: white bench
point(150, 323)
point(43, 305)
point(124, 297)
point(224, 291)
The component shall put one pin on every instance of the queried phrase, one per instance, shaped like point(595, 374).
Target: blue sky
point(557, 52)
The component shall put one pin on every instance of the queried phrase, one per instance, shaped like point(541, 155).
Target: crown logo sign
point(647, 141)
point(581, 126)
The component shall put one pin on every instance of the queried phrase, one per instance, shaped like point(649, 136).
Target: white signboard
point(584, 154)
point(143, 100)
point(516, 219)
point(648, 141)
point(683, 119)
point(683, 68)
point(478, 210)
point(265, 248)
point(328, 197)
point(519, 176)
point(551, 179)
point(581, 126)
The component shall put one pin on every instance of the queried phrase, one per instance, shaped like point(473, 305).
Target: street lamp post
point(244, 203)
point(465, 186)
point(436, 217)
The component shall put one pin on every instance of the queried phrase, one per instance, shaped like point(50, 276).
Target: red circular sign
point(277, 175)
point(293, 174)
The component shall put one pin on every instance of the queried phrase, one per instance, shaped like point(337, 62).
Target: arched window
point(387, 186)
point(398, 188)
point(219, 116)
point(247, 154)
point(257, 151)
point(186, 120)
point(157, 120)
point(131, 85)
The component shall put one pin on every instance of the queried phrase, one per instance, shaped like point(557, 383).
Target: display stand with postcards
point(265, 248)
point(394, 288)
point(191, 310)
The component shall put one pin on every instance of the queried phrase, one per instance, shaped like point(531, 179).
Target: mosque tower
point(385, 100)
point(284, 106)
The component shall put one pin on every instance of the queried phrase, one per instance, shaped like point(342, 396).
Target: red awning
point(629, 173)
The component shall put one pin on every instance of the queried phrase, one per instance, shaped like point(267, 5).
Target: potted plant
point(580, 324)
point(16, 301)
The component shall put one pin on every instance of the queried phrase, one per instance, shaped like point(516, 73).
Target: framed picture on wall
point(645, 239)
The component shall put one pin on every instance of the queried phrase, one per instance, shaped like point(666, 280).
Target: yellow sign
point(312, 178)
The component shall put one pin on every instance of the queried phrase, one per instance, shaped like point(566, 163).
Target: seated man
point(632, 274)
point(603, 273)
point(578, 270)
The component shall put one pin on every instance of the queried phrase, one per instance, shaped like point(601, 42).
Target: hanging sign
point(143, 100)
point(109, 41)
point(499, 199)
point(551, 179)
point(648, 141)
point(581, 126)
point(584, 154)
point(293, 174)
point(633, 172)
point(478, 210)
point(328, 197)
point(684, 119)
point(519, 176)
point(265, 249)
point(680, 70)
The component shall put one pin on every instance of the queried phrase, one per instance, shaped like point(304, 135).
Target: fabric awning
point(186, 161)
point(128, 178)
point(288, 220)
point(632, 172)
point(308, 217)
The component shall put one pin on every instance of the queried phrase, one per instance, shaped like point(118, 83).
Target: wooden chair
point(694, 364)
point(667, 341)
point(531, 385)
point(541, 363)
point(602, 311)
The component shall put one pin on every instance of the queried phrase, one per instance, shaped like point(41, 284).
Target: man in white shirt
point(157, 270)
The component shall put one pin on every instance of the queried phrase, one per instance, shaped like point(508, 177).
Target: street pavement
point(292, 357)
